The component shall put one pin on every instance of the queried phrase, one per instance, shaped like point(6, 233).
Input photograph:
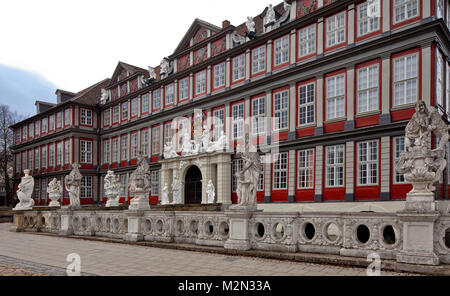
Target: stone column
point(318, 197)
point(350, 171)
point(269, 56)
point(320, 36)
point(247, 65)
point(267, 179)
point(224, 180)
point(208, 80)
point(385, 170)
point(228, 72)
point(191, 86)
point(386, 13)
point(427, 84)
point(293, 46)
point(385, 117)
point(291, 176)
point(351, 24)
point(292, 112)
point(319, 114)
point(350, 123)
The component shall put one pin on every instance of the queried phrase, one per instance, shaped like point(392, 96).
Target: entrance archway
point(193, 186)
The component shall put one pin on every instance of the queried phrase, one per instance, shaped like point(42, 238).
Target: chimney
point(62, 96)
point(226, 24)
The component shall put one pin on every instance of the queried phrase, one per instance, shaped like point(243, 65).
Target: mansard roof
point(191, 32)
point(127, 67)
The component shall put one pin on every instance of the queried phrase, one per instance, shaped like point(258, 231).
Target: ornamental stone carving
point(165, 195)
point(140, 185)
point(55, 191)
point(24, 192)
point(177, 187)
point(112, 189)
point(73, 186)
point(210, 192)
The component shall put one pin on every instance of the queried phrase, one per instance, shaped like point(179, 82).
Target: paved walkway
point(47, 255)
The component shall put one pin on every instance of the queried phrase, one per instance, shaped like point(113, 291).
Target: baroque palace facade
point(340, 77)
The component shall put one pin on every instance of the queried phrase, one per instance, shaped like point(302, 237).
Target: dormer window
point(44, 126)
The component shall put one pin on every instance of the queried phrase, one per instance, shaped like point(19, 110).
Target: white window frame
point(134, 107)
point(334, 166)
point(218, 122)
point(306, 104)
point(134, 145)
point(116, 114)
point(86, 187)
point(238, 63)
point(155, 183)
point(200, 82)
point(397, 142)
point(68, 119)
point(68, 151)
point(115, 150)
point(404, 5)
point(107, 117)
point(261, 180)
point(307, 41)
point(156, 101)
point(258, 116)
point(107, 151)
point(281, 110)
point(373, 24)
point(59, 120)
point(144, 142)
point(237, 120)
point(333, 29)
point(184, 89)
point(145, 102)
point(44, 157)
point(124, 147)
point(123, 185)
point(126, 110)
point(51, 122)
point(37, 159)
point(156, 140)
point(280, 171)
point(37, 128)
point(366, 88)
point(31, 159)
point(237, 165)
point(86, 151)
point(405, 80)
point(44, 122)
point(334, 97)
point(51, 155)
point(86, 116)
point(169, 94)
point(168, 133)
point(219, 75)
point(305, 169)
point(259, 57)
point(368, 163)
point(281, 48)
point(31, 129)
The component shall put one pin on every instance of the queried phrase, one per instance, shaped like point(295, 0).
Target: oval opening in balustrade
point(278, 231)
point(209, 228)
point(98, 223)
point(54, 222)
point(260, 230)
point(159, 226)
point(389, 235)
point(84, 223)
point(363, 234)
point(108, 225)
point(333, 232)
point(125, 225)
point(224, 229)
point(148, 226)
point(180, 226)
point(116, 224)
point(447, 238)
point(193, 226)
point(43, 221)
point(309, 231)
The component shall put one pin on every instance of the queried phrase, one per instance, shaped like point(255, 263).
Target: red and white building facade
point(342, 86)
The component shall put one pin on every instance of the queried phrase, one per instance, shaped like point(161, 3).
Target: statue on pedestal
point(206, 139)
point(55, 191)
point(176, 191)
point(251, 31)
point(112, 189)
point(73, 186)
point(140, 185)
point(169, 151)
point(186, 149)
point(24, 192)
point(210, 191)
point(165, 195)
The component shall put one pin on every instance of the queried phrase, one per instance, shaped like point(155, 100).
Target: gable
point(198, 31)
point(123, 71)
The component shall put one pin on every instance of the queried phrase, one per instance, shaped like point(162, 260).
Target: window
point(44, 188)
point(17, 136)
point(157, 99)
point(124, 148)
point(51, 155)
point(44, 126)
point(37, 129)
point(258, 115)
point(261, 175)
point(405, 10)
point(239, 67)
point(335, 161)
point(336, 29)
point(123, 89)
point(44, 156)
point(30, 160)
point(17, 162)
point(259, 59)
point(59, 153)
point(145, 104)
point(368, 88)
point(238, 120)
point(67, 152)
point(399, 147)
point(37, 189)
point(86, 151)
point(307, 41)
point(167, 134)
point(281, 50)
point(439, 79)
point(366, 24)
point(169, 94)
point(37, 159)
point(134, 107)
point(218, 123)
point(59, 120)
point(51, 122)
point(124, 185)
point(406, 79)
point(184, 89)
point(368, 163)
point(305, 169)
point(219, 75)
point(31, 130)
point(86, 117)
point(335, 96)
point(200, 82)
point(125, 111)
point(155, 183)
point(236, 167)
point(156, 138)
point(116, 113)
point(86, 187)
point(144, 142)
point(107, 117)
point(281, 110)
point(24, 161)
point(280, 170)
point(440, 9)
point(106, 151)
point(24, 133)
point(115, 150)
point(68, 117)
point(306, 104)
point(134, 145)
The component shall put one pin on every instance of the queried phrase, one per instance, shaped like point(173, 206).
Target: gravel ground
point(8, 270)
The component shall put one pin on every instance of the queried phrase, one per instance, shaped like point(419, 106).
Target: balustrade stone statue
point(73, 186)
point(55, 191)
point(169, 151)
point(165, 195)
point(24, 192)
point(140, 185)
point(112, 188)
point(176, 191)
point(210, 192)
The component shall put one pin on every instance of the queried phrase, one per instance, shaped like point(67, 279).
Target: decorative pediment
point(124, 70)
point(198, 31)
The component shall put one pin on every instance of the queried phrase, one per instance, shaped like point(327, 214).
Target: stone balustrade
point(345, 234)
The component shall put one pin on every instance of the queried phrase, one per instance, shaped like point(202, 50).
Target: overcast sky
point(74, 44)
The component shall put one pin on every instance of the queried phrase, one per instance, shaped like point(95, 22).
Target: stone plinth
point(420, 202)
point(135, 233)
point(140, 202)
point(18, 221)
point(239, 238)
point(418, 237)
point(66, 222)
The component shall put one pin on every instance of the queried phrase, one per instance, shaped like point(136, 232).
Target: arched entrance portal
point(193, 186)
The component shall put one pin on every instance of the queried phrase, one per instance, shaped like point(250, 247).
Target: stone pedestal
point(18, 221)
point(420, 202)
point(239, 238)
point(418, 237)
point(112, 203)
point(140, 202)
point(66, 222)
point(134, 233)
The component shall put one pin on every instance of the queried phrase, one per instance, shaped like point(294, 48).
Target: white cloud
point(77, 43)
